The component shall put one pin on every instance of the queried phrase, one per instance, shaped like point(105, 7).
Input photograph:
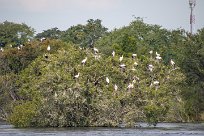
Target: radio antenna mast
point(192, 4)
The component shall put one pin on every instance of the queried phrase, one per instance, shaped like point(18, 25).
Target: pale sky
point(45, 14)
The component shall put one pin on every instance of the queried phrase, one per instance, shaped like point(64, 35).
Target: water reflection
point(162, 129)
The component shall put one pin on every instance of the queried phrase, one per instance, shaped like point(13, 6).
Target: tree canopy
point(85, 35)
point(14, 34)
point(87, 76)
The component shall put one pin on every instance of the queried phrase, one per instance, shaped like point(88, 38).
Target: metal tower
point(192, 4)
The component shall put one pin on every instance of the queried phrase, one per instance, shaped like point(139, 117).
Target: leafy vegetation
point(14, 34)
point(92, 77)
point(85, 35)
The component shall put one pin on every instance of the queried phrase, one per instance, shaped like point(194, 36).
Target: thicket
point(40, 87)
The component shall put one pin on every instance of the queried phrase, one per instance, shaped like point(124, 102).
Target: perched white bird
point(130, 86)
point(121, 58)
point(18, 48)
point(151, 52)
point(107, 80)
point(157, 54)
point(95, 50)
point(84, 61)
point(158, 57)
point(156, 82)
point(113, 53)
point(150, 67)
point(134, 55)
point(135, 63)
point(2, 49)
point(172, 62)
point(48, 48)
point(122, 66)
point(42, 39)
point(115, 87)
point(76, 76)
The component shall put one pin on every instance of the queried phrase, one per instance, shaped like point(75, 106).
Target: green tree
point(68, 92)
point(190, 59)
point(12, 62)
point(85, 35)
point(139, 37)
point(14, 34)
point(53, 33)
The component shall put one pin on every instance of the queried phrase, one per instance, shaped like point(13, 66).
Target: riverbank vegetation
point(89, 76)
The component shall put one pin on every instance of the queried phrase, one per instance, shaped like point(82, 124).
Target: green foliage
point(85, 35)
point(13, 60)
point(40, 87)
point(53, 33)
point(190, 58)
point(24, 113)
point(14, 34)
point(139, 38)
point(89, 100)
point(7, 94)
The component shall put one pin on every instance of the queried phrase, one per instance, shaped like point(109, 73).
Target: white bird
point(150, 67)
point(156, 82)
point(113, 53)
point(115, 87)
point(48, 48)
point(95, 50)
point(172, 62)
point(133, 81)
point(135, 63)
point(18, 48)
point(151, 52)
point(122, 65)
point(84, 61)
point(130, 86)
point(107, 80)
point(134, 55)
point(157, 54)
point(76, 76)
point(2, 49)
point(158, 57)
point(42, 39)
point(121, 58)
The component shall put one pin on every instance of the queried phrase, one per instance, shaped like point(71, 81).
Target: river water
point(162, 129)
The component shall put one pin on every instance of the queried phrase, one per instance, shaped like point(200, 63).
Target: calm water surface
point(162, 129)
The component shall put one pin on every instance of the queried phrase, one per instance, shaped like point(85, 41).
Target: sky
point(45, 14)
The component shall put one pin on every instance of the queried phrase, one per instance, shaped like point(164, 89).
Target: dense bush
point(89, 100)
point(52, 87)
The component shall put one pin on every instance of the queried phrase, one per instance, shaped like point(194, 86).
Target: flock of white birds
point(122, 66)
point(131, 84)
